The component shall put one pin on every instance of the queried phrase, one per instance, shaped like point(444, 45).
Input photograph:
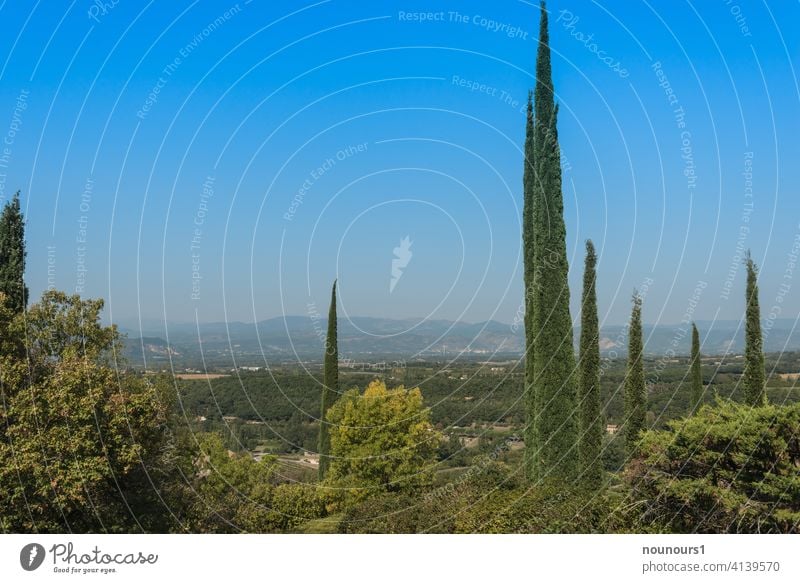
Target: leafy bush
point(386, 514)
point(492, 498)
point(231, 492)
point(729, 468)
point(294, 504)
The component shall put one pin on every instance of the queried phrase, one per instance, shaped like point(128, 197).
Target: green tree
point(330, 387)
point(87, 447)
point(12, 256)
point(591, 430)
point(753, 377)
point(696, 372)
point(529, 269)
point(381, 441)
point(553, 453)
point(230, 492)
point(731, 468)
point(635, 388)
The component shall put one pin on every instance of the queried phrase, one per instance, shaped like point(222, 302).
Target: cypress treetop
point(635, 388)
point(529, 269)
point(12, 256)
point(753, 377)
point(330, 388)
point(590, 429)
point(552, 455)
point(697, 376)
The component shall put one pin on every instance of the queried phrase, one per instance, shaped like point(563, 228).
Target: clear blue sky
point(128, 124)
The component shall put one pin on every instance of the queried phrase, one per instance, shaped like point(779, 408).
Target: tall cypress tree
point(697, 375)
point(753, 378)
point(12, 256)
point(529, 270)
point(591, 430)
point(330, 388)
point(553, 455)
point(635, 389)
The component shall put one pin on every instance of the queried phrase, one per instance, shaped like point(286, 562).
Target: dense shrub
point(729, 468)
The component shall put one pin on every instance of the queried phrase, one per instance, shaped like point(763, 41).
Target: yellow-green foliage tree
point(381, 441)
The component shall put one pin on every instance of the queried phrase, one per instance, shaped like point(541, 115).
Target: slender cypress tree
point(529, 269)
point(635, 390)
point(753, 378)
point(697, 376)
point(591, 430)
point(12, 256)
point(553, 455)
point(330, 388)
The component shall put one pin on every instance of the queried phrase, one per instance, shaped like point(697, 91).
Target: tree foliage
point(229, 492)
point(553, 453)
point(529, 269)
point(381, 441)
point(753, 377)
point(12, 256)
point(591, 428)
point(492, 498)
point(330, 387)
point(85, 448)
point(729, 468)
point(635, 388)
point(696, 371)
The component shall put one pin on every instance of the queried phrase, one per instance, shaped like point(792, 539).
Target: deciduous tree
point(381, 441)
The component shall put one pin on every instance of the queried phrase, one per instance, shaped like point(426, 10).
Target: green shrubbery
point(729, 468)
point(494, 499)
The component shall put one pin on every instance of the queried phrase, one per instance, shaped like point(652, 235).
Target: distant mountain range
point(295, 337)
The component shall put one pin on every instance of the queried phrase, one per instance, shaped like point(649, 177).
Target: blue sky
point(218, 160)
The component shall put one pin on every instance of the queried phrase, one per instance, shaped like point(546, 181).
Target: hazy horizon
point(231, 165)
